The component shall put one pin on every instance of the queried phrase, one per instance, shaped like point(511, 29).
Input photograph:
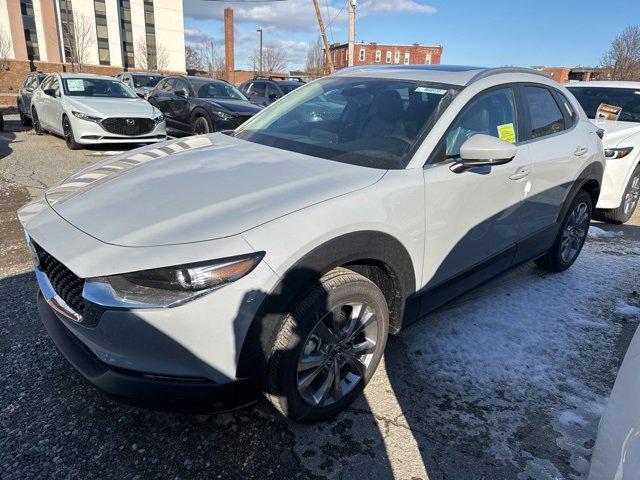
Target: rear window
point(628, 99)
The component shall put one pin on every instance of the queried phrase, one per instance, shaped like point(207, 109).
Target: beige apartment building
point(113, 34)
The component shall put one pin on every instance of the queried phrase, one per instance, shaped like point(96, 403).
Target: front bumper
point(193, 395)
point(617, 173)
point(90, 133)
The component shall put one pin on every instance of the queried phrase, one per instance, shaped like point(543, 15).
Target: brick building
point(575, 74)
point(374, 53)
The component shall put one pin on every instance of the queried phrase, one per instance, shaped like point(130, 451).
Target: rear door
point(161, 98)
point(257, 93)
point(180, 110)
point(558, 149)
point(273, 92)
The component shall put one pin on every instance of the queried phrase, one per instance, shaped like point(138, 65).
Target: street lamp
point(260, 30)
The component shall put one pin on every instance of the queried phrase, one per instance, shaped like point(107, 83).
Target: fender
point(361, 247)
point(592, 172)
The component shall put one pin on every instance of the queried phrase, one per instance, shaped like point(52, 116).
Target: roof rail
point(495, 71)
point(278, 77)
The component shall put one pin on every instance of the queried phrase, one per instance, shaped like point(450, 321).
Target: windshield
point(627, 98)
point(217, 90)
point(370, 122)
point(289, 87)
point(96, 87)
point(145, 80)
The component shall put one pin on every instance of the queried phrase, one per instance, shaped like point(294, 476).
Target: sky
point(484, 33)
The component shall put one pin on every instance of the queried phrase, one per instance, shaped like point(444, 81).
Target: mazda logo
point(131, 121)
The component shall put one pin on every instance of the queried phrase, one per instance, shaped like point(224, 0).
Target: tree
point(212, 58)
point(150, 56)
point(274, 60)
point(5, 52)
point(78, 38)
point(315, 59)
point(623, 57)
point(193, 58)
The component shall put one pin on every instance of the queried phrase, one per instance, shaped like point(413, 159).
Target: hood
point(233, 106)
point(112, 107)
point(196, 189)
point(616, 131)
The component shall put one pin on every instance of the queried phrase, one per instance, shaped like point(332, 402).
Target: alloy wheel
point(35, 121)
point(575, 232)
point(66, 128)
point(337, 353)
point(201, 126)
point(632, 196)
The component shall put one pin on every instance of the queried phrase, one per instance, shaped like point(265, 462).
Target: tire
point(26, 121)
point(201, 125)
point(625, 211)
point(69, 137)
point(308, 330)
point(35, 120)
point(571, 237)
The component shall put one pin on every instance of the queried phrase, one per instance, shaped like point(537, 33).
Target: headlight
point(88, 118)
point(223, 116)
point(170, 286)
point(159, 118)
point(613, 153)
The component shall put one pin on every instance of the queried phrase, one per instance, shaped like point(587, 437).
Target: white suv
point(199, 272)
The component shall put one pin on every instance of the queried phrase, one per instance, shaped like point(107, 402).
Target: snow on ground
point(528, 353)
point(596, 232)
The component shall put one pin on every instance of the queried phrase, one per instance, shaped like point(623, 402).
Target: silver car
point(91, 109)
point(277, 259)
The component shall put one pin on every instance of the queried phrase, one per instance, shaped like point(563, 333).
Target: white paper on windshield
point(75, 85)
point(608, 112)
point(434, 91)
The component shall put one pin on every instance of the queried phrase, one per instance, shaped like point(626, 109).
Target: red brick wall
point(417, 54)
point(11, 80)
point(559, 74)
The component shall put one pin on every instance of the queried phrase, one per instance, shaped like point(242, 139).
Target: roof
point(382, 44)
point(605, 83)
point(448, 74)
point(146, 74)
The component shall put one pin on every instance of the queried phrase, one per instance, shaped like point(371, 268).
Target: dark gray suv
point(266, 90)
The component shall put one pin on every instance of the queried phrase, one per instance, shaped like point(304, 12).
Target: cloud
point(372, 7)
point(195, 35)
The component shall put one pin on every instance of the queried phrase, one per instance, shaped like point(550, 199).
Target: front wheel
point(37, 127)
point(625, 211)
point(571, 237)
point(69, 137)
point(201, 126)
point(326, 350)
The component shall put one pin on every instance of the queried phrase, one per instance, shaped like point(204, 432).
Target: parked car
point(91, 109)
point(196, 105)
point(141, 83)
point(621, 184)
point(266, 90)
point(279, 257)
point(30, 83)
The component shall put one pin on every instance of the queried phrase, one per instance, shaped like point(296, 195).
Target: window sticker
point(434, 91)
point(75, 85)
point(608, 112)
point(507, 132)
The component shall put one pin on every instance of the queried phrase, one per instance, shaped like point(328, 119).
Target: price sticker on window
point(75, 85)
point(507, 132)
point(433, 91)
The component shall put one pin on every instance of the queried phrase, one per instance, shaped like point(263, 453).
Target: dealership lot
point(508, 382)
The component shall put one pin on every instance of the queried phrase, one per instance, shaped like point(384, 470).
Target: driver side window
point(491, 113)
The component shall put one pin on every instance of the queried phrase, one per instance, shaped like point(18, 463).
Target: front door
point(473, 217)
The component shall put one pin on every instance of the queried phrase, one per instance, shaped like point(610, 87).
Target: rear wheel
point(201, 126)
point(69, 137)
point(571, 237)
point(625, 211)
point(328, 347)
point(36, 122)
point(23, 116)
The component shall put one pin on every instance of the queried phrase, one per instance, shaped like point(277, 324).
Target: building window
point(362, 54)
point(396, 57)
point(407, 58)
point(102, 34)
point(378, 56)
point(68, 29)
point(150, 30)
point(30, 33)
point(388, 56)
point(427, 60)
point(128, 58)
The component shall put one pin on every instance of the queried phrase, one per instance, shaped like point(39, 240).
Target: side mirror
point(274, 96)
point(49, 91)
point(141, 95)
point(182, 93)
point(484, 151)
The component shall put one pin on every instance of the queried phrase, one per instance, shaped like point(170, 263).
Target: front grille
point(65, 283)
point(128, 126)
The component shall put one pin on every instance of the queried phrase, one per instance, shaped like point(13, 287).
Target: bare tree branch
point(192, 57)
point(78, 37)
point(5, 51)
point(623, 57)
point(149, 56)
point(212, 56)
point(315, 59)
point(274, 60)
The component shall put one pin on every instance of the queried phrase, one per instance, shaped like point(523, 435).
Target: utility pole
point(260, 30)
point(323, 33)
point(352, 30)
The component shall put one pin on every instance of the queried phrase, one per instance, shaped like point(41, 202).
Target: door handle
point(580, 151)
point(520, 173)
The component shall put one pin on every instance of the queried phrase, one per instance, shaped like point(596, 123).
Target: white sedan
point(621, 185)
point(91, 109)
